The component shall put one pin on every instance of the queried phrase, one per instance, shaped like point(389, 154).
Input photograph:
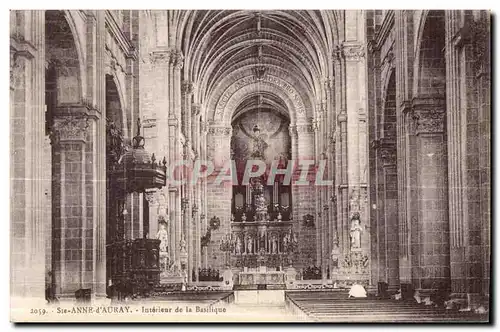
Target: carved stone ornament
point(353, 52)
point(305, 128)
point(159, 57)
point(69, 129)
point(388, 156)
point(16, 69)
point(429, 121)
point(176, 59)
point(220, 131)
point(187, 87)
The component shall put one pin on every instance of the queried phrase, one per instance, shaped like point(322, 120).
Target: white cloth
point(357, 291)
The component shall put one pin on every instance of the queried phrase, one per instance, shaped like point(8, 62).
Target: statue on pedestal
point(238, 245)
point(162, 235)
point(249, 245)
point(355, 233)
point(274, 244)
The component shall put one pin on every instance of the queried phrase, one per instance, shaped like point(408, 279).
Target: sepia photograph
point(239, 166)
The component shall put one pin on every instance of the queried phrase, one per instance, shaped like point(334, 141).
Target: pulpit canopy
point(137, 170)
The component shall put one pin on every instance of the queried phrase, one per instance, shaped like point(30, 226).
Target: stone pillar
point(219, 195)
point(197, 194)
point(353, 51)
point(381, 227)
point(204, 193)
point(388, 156)
point(302, 136)
point(70, 224)
point(188, 195)
point(432, 182)
point(97, 93)
point(28, 200)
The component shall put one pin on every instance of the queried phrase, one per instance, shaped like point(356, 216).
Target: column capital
point(159, 57)
point(353, 52)
point(306, 128)
point(342, 117)
point(173, 122)
point(429, 120)
point(176, 59)
point(388, 155)
point(221, 131)
point(204, 127)
point(187, 87)
point(196, 109)
point(69, 129)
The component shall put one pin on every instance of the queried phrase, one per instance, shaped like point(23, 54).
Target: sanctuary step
point(334, 306)
point(191, 297)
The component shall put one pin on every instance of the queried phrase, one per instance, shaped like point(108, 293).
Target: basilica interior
point(113, 112)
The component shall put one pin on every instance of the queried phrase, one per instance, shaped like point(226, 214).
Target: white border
point(199, 4)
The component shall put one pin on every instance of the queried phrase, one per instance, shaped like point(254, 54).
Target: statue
point(355, 233)
point(182, 245)
point(238, 246)
point(162, 235)
point(249, 245)
point(274, 245)
point(286, 240)
point(259, 145)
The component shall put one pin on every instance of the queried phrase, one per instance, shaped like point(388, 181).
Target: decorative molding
point(288, 88)
point(69, 129)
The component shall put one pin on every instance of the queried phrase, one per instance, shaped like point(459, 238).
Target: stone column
point(28, 201)
point(70, 136)
point(432, 182)
point(388, 156)
point(197, 194)
point(97, 93)
point(302, 136)
point(204, 193)
point(187, 92)
point(219, 195)
point(353, 51)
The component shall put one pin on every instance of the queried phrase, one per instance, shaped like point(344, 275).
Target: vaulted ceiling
point(221, 47)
